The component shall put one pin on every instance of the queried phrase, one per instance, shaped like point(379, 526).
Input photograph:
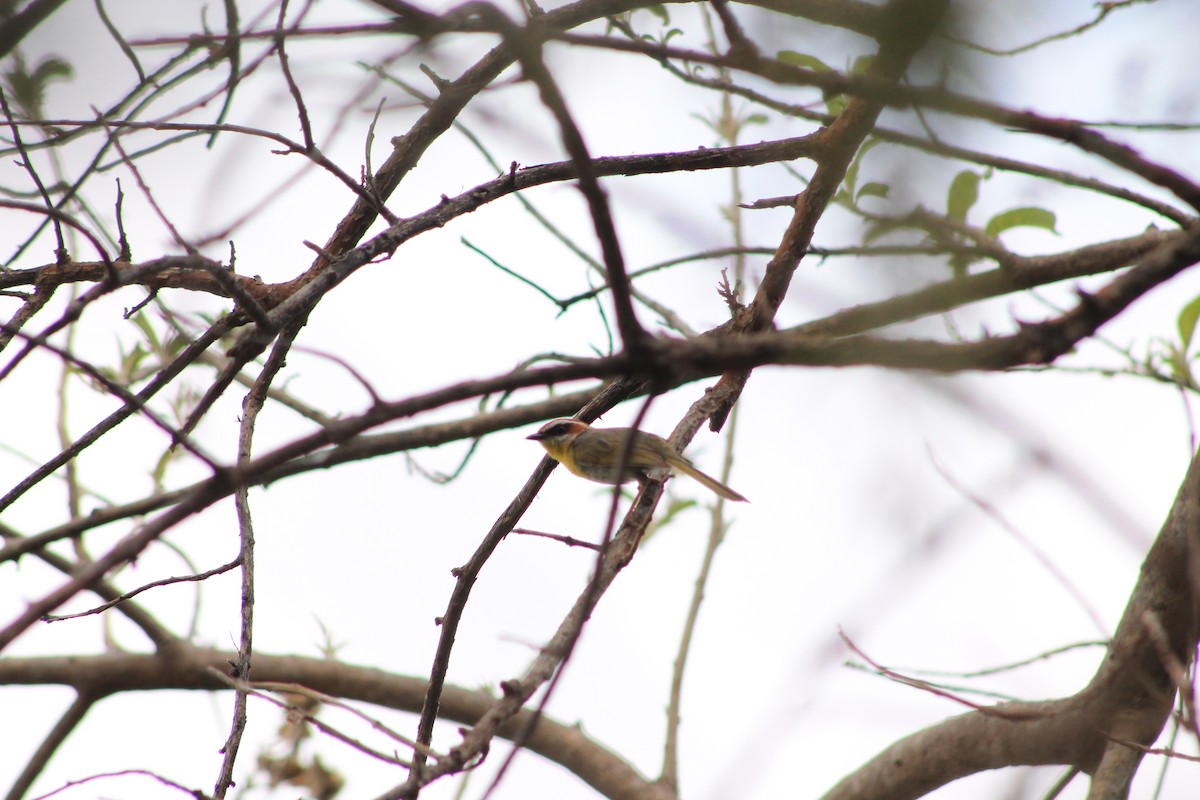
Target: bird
point(596, 454)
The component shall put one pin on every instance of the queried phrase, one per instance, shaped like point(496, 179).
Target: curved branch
point(193, 668)
point(1105, 728)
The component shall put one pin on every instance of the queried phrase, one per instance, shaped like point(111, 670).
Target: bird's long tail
point(687, 468)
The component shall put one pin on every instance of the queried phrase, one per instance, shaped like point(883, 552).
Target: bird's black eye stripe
point(558, 429)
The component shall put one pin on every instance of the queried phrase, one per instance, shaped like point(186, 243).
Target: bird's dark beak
point(537, 437)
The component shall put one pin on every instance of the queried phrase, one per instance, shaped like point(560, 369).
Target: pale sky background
point(852, 524)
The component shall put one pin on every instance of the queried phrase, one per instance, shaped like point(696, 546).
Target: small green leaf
point(1021, 217)
point(964, 191)
point(851, 179)
point(873, 189)
point(660, 11)
point(175, 344)
point(143, 324)
point(1187, 323)
point(160, 467)
point(50, 69)
point(792, 58)
point(29, 86)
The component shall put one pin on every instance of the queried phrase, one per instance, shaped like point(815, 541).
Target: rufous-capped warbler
point(595, 454)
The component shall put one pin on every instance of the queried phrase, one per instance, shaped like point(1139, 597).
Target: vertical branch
point(71, 468)
point(728, 126)
point(61, 254)
point(231, 50)
point(114, 138)
point(251, 407)
point(119, 38)
point(301, 109)
point(633, 336)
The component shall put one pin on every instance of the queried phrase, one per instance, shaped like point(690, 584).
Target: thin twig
point(293, 89)
point(27, 163)
point(260, 689)
point(569, 541)
point(633, 336)
point(201, 576)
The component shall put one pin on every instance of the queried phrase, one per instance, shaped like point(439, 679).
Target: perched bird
point(595, 454)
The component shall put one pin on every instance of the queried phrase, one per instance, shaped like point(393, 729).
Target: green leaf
point(143, 324)
point(175, 345)
point(792, 58)
point(873, 189)
point(29, 87)
point(50, 69)
point(1187, 323)
point(964, 191)
point(1028, 217)
point(660, 11)
point(851, 179)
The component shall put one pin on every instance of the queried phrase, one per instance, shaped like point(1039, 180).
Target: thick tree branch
point(192, 668)
point(1100, 730)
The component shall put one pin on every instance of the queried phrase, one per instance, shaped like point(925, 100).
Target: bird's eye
point(558, 429)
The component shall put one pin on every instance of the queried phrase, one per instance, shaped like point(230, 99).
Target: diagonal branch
point(1106, 726)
